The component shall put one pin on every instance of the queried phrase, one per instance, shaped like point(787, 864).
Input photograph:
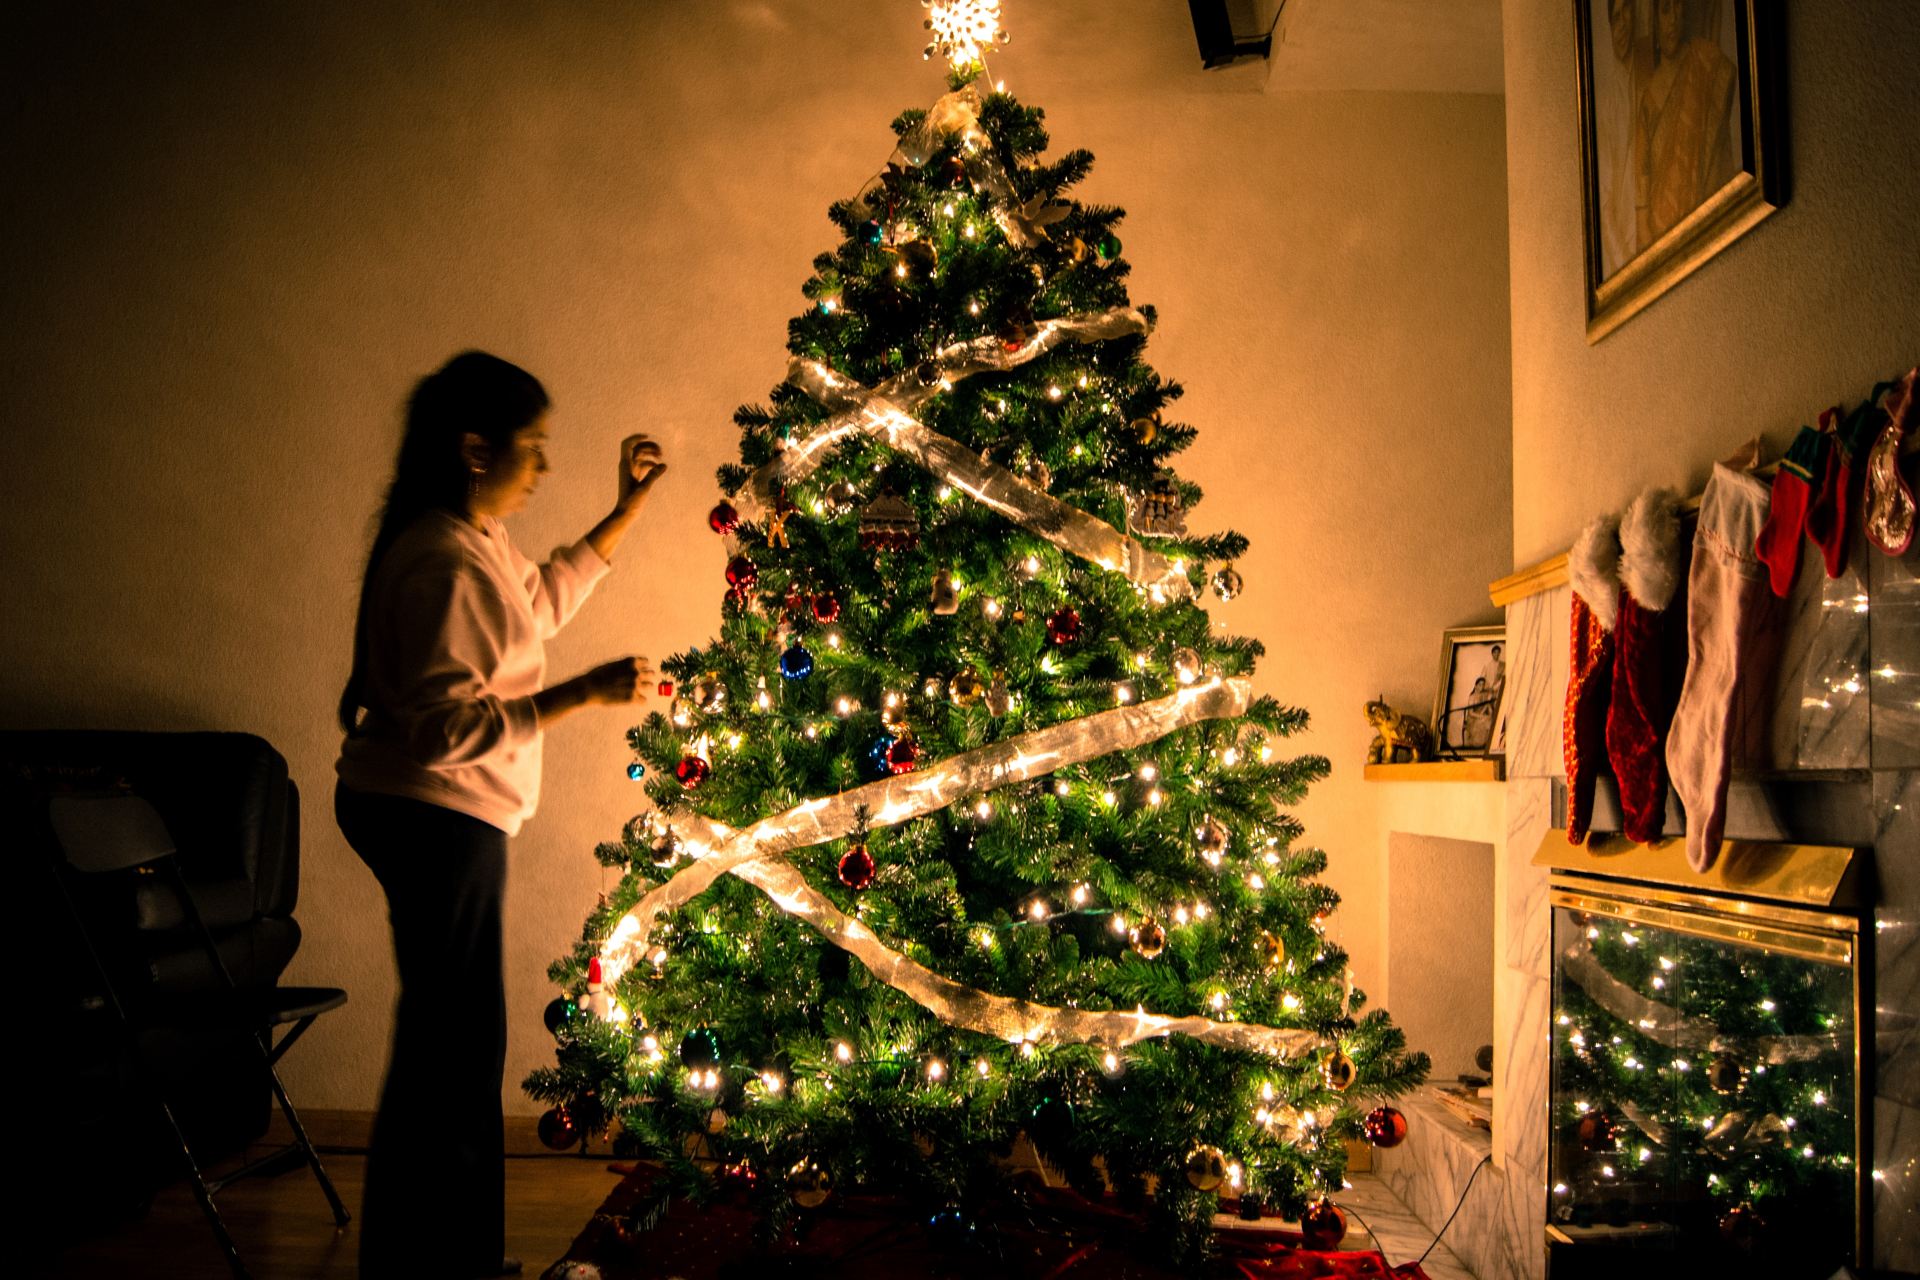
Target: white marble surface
point(1524, 886)
point(1537, 682)
point(1819, 702)
point(1894, 660)
point(1396, 1231)
point(1429, 1173)
point(1896, 1022)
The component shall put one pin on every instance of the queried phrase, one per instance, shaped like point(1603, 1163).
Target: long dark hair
point(473, 392)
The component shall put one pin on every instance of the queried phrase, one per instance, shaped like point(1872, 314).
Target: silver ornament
point(1227, 582)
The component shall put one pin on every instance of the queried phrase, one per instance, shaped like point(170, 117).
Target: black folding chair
point(102, 835)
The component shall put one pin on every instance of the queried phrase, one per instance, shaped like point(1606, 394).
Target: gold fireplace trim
point(1781, 931)
point(1806, 875)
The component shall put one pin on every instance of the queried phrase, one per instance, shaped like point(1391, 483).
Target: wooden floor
point(285, 1231)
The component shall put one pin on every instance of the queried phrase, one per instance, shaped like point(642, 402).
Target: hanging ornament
point(717, 1120)
point(1063, 626)
point(1206, 1168)
point(598, 1001)
point(840, 497)
point(877, 754)
point(893, 715)
point(999, 700)
point(914, 258)
point(808, 1185)
point(723, 519)
point(1385, 1127)
point(856, 867)
point(700, 1048)
point(902, 756)
point(708, 693)
point(1323, 1225)
point(872, 232)
point(664, 688)
point(1037, 473)
point(954, 171)
point(1159, 512)
point(826, 607)
point(946, 596)
point(1227, 582)
point(796, 663)
point(1273, 949)
point(742, 573)
point(692, 771)
point(665, 849)
point(681, 712)
point(1077, 251)
point(1145, 429)
point(966, 688)
point(1027, 223)
point(1338, 1070)
point(1148, 938)
point(636, 771)
point(1725, 1074)
point(1210, 839)
point(560, 1011)
point(557, 1130)
point(889, 524)
point(926, 373)
point(1107, 247)
point(1186, 665)
point(1595, 1131)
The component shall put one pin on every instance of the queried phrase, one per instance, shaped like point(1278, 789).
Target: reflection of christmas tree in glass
point(966, 825)
point(1703, 1088)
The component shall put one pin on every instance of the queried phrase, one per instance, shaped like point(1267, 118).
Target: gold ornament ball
point(809, 1185)
point(716, 1120)
point(1144, 429)
point(1206, 1168)
point(1338, 1071)
point(1273, 949)
point(1187, 667)
point(1227, 582)
point(1211, 839)
point(967, 688)
point(1148, 938)
point(1725, 1074)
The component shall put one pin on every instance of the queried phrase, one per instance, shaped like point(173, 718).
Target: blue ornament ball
point(796, 663)
point(636, 771)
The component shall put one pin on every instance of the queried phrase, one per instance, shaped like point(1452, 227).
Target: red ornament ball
point(723, 518)
point(1063, 627)
point(1596, 1131)
point(1742, 1226)
point(826, 607)
point(1385, 1127)
point(692, 771)
point(902, 756)
point(1323, 1225)
point(742, 573)
point(557, 1129)
point(856, 868)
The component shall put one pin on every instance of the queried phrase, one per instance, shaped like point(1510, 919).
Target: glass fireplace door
point(1703, 1087)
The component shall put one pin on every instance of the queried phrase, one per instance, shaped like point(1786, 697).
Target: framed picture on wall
point(1681, 147)
point(1473, 684)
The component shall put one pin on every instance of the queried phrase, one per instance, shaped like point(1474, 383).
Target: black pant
point(436, 1174)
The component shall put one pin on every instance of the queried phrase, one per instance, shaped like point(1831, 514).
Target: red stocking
point(1646, 662)
point(1830, 514)
point(1778, 545)
point(1592, 567)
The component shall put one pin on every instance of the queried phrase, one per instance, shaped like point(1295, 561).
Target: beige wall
point(233, 236)
point(1813, 306)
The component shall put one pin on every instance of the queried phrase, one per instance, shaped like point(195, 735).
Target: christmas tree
point(968, 825)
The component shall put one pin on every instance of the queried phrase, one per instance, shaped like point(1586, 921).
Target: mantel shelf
point(1489, 770)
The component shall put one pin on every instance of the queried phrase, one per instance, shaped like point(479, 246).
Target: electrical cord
point(1458, 1204)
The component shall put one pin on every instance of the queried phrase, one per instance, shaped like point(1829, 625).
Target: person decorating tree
point(443, 714)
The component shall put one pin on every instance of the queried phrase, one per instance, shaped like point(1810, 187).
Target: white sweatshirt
point(454, 652)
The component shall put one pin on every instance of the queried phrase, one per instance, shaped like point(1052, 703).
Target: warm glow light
point(843, 1051)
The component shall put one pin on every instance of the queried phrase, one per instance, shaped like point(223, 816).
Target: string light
point(843, 1051)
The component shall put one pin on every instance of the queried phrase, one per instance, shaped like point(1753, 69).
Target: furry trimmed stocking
point(1646, 677)
point(1593, 568)
point(1729, 611)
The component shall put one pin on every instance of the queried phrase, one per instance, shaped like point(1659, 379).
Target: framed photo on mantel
point(1468, 708)
point(1681, 147)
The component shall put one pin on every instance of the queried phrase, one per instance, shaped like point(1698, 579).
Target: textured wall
point(1812, 306)
point(234, 234)
point(1440, 946)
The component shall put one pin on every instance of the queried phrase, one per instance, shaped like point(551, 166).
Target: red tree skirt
point(871, 1237)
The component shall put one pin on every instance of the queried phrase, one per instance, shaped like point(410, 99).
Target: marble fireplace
point(1838, 761)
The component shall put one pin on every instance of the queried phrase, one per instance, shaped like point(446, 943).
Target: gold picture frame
point(1464, 713)
point(1681, 141)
